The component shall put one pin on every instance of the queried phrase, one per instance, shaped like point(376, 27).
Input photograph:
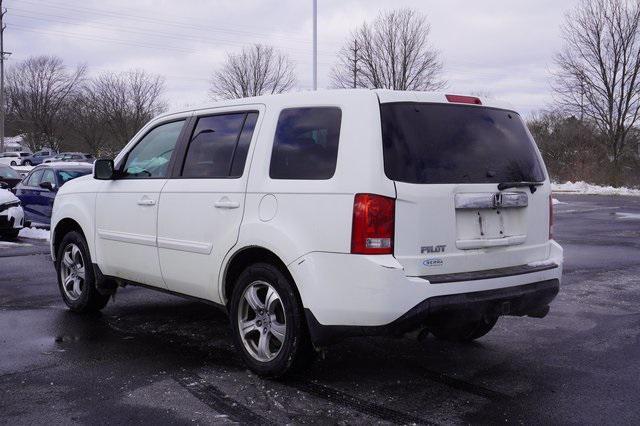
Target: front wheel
point(465, 331)
point(268, 321)
point(76, 279)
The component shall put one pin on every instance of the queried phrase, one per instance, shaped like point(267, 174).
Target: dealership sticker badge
point(433, 263)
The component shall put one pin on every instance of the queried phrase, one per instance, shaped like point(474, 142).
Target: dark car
point(71, 156)
point(38, 189)
point(38, 157)
point(9, 178)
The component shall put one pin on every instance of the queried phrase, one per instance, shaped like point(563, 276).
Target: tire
point(280, 355)
point(26, 163)
point(80, 293)
point(10, 235)
point(462, 332)
point(13, 164)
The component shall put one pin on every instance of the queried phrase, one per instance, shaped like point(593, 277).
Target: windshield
point(443, 143)
point(9, 173)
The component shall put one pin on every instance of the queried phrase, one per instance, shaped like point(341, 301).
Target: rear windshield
point(441, 143)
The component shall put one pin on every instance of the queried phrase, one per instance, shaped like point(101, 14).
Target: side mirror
point(47, 185)
point(103, 169)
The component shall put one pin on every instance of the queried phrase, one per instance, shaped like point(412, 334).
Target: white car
point(11, 215)
point(314, 216)
point(13, 158)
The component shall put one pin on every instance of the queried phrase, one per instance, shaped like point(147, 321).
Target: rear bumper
point(343, 291)
point(529, 299)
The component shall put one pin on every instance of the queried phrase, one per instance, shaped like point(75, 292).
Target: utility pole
point(3, 56)
point(315, 44)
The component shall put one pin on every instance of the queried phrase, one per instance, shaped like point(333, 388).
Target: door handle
point(146, 201)
point(226, 203)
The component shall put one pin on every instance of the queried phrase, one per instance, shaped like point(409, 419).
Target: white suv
point(314, 216)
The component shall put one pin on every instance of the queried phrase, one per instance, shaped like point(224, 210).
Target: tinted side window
point(150, 157)
point(240, 157)
point(218, 146)
point(306, 143)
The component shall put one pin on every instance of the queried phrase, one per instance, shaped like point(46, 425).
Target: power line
point(185, 25)
point(65, 20)
point(101, 39)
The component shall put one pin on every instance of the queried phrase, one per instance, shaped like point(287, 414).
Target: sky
point(503, 48)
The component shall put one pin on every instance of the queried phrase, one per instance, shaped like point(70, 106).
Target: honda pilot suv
point(316, 216)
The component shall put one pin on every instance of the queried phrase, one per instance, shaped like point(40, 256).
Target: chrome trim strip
point(491, 200)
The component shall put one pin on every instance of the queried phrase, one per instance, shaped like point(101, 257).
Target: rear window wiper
point(506, 185)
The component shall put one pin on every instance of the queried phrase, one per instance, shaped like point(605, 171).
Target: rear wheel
point(26, 163)
point(462, 331)
point(268, 321)
point(13, 163)
point(76, 279)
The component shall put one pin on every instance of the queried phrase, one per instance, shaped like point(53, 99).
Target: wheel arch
point(63, 227)
point(244, 257)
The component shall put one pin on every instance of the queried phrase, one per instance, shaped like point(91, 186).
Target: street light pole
point(315, 44)
point(2, 58)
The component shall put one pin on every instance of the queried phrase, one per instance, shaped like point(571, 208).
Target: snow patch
point(632, 216)
point(589, 189)
point(541, 263)
point(35, 233)
point(555, 201)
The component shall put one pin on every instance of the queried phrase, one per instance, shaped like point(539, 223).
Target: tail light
point(459, 99)
point(373, 224)
point(550, 217)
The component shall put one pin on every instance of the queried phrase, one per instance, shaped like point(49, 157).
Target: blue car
point(37, 158)
point(38, 189)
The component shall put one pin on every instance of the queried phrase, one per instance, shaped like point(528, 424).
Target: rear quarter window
point(306, 143)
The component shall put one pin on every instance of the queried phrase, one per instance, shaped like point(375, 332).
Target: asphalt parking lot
point(155, 358)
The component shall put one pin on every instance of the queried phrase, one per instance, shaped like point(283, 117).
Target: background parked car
point(9, 178)
point(13, 158)
point(38, 190)
point(11, 215)
point(71, 156)
point(38, 157)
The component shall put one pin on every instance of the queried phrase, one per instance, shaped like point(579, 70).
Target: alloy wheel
point(262, 321)
point(72, 272)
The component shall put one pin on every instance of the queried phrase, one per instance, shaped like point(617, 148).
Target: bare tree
point(86, 124)
point(38, 89)
point(393, 52)
point(599, 68)
point(347, 73)
point(255, 71)
point(123, 103)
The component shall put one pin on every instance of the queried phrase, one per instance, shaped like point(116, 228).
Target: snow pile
point(35, 233)
point(555, 201)
point(589, 189)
